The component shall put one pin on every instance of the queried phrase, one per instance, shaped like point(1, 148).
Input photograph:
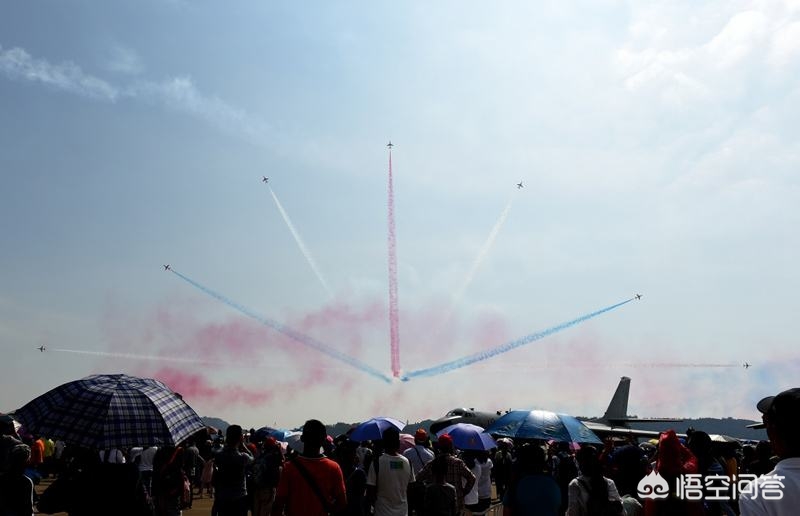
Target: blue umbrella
point(372, 429)
point(542, 424)
point(279, 434)
point(111, 411)
point(468, 437)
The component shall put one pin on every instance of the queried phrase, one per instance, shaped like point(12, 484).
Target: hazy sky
point(657, 143)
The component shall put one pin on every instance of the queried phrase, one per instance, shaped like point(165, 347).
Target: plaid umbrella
point(111, 411)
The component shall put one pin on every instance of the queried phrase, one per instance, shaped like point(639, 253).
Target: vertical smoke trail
point(394, 322)
point(489, 353)
point(289, 332)
point(459, 294)
point(301, 244)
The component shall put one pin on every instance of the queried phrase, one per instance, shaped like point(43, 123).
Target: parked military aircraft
point(615, 421)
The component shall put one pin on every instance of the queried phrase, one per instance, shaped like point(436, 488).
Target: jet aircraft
point(167, 268)
point(390, 145)
point(746, 365)
point(615, 421)
point(264, 179)
point(41, 349)
point(519, 185)
point(638, 296)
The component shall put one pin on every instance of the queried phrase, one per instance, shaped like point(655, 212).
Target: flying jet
point(519, 185)
point(746, 365)
point(638, 296)
point(265, 179)
point(390, 145)
point(167, 268)
point(615, 421)
point(41, 349)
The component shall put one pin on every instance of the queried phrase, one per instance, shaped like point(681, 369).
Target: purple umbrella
point(468, 437)
point(372, 429)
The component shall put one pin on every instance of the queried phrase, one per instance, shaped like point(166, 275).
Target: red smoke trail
point(394, 329)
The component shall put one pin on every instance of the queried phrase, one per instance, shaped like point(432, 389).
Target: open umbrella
point(468, 437)
point(406, 441)
point(111, 411)
point(279, 434)
point(372, 429)
point(542, 424)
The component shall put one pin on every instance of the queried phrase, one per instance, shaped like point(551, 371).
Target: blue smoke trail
point(289, 332)
point(508, 346)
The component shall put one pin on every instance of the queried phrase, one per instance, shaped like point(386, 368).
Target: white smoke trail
point(484, 251)
point(131, 356)
point(301, 244)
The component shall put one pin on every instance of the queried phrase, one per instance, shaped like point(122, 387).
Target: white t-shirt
point(471, 498)
point(484, 481)
point(752, 502)
point(393, 478)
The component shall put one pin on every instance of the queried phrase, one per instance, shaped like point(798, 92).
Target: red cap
point(445, 441)
point(420, 435)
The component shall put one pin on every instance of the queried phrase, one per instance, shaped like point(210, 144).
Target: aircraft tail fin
point(618, 407)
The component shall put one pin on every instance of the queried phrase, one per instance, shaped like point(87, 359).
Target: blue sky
point(657, 143)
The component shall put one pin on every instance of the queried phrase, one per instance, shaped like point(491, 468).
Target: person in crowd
point(418, 456)
point(167, 485)
point(265, 473)
point(709, 464)
point(458, 474)
point(440, 498)
point(503, 463)
point(230, 482)
point(389, 477)
point(763, 462)
point(8, 441)
point(480, 465)
point(781, 417)
point(531, 491)
point(16, 490)
point(355, 478)
point(192, 462)
point(145, 466)
point(112, 456)
point(673, 459)
point(207, 479)
point(311, 484)
point(591, 493)
point(564, 470)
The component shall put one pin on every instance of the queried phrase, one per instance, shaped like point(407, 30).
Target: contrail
point(489, 353)
point(185, 360)
point(132, 356)
point(394, 318)
point(301, 244)
point(289, 332)
point(484, 251)
point(608, 365)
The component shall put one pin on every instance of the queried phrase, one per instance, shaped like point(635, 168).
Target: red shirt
point(300, 499)
point(37, 452)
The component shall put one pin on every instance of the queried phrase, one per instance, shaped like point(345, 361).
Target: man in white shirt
point(778, 492)
point(389, 477)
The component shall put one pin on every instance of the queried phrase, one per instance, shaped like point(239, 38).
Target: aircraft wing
point(603, 430)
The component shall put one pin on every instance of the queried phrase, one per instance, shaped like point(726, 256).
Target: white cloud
point(16, 63)
point(661, 58)
point(125, 60)
point(177, 93)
